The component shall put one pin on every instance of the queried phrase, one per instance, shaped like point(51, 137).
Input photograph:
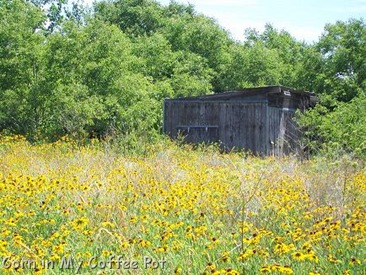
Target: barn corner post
point(268, 141)
point(167, 117)
point(285, 131)
point(164, 114)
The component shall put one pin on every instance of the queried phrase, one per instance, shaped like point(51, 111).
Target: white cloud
point(237, 28)
point(357, 9)
point(307, 33)
point(238, 15)
point(86, 2)
point(233, 3)
point(215, 2)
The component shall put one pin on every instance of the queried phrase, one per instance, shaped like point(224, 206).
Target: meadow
point(92, 210)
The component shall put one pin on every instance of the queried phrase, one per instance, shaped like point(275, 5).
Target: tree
point(184, 73)
point(95, 82)
point(337, 131)
point(343, 48)
point(21, 48)
point(292, 54)
point(59, 11)
point(338, 74)
point(185, 31)
point(135, 17)
point(251, 66)
point(202, 36)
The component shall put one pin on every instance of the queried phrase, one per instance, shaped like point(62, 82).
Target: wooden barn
point(257, 119)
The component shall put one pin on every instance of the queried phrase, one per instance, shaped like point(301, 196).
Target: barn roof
point(250, 92)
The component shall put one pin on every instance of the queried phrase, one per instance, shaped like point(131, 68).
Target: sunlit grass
point(176, 210)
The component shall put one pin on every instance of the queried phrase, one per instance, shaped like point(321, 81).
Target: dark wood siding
point(243, 125)
point(257, 119)
point(234, 124)
point(282, 131)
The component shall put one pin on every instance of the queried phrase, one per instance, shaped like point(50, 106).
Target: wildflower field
point(90, 210)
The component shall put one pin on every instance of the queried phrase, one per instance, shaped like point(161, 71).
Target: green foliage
point(135, 17)
point(342, 130)
point(204, 37)
point(184, 73)
point(337, 73)
point(252, 66)
point(286, 55)
point(59, 11)
point(97, 71)
point(21, 47)
point(182, 34)
point(343, 49)
point(66, 70)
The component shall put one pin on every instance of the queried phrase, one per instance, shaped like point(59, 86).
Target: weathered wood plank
point(258, 119)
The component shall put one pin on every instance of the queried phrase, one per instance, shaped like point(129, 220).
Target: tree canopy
point(66, 69)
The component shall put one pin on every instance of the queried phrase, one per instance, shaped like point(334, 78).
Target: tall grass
point(177, 210)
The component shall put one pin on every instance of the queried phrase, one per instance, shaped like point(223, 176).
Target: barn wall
point(258, 119)
point(282, 131)
point(243, 125)
point(192, 116)
point(237, 124)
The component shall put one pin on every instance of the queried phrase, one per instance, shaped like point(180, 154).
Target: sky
point(303, 19)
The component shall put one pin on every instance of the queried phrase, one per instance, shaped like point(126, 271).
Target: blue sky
point(304, 19)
